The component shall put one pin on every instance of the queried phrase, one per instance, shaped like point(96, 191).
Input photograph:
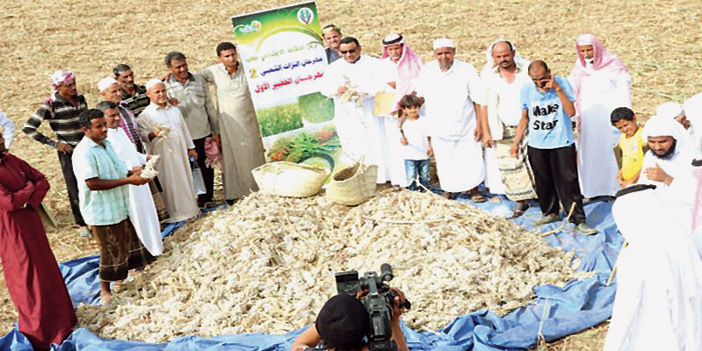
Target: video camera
point(378, 302)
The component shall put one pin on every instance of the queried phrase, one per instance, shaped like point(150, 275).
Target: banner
point(283, 55)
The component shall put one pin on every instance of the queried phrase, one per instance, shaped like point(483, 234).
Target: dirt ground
point(657, 39)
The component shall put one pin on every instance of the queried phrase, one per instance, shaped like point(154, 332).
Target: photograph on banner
point(283, 55)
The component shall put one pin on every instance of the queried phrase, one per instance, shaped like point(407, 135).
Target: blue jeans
point(414, 168)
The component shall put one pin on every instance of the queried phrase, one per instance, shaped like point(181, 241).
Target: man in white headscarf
point(601, 83)
point(693, 116)
point(669, 154)
point(504, 76)
point(658, 304)
point(454, 102)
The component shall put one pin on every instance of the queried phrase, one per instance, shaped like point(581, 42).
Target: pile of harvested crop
point(266, 265)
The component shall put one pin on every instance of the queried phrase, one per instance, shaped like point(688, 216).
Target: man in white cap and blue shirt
point(454, 97)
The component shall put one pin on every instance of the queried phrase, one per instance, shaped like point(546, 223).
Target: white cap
point(152, 82)
point(443, 43)
point(670, 110)
point(105, 83)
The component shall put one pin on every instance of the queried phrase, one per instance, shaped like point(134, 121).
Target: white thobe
point(173, 168)
point(600, 93)
point(242, 148)
point(449, 98)
point(678, 164)
point(504, 109)
point(658, 304)
point(142, 211)
point(360, 133)
point(395, 162)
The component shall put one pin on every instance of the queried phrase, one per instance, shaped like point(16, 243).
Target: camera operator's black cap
point(343, 322)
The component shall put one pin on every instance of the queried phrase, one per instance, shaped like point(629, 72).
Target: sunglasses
point(344, 52)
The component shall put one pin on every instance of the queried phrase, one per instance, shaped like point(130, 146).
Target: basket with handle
point(290, 179)
point(353, 185)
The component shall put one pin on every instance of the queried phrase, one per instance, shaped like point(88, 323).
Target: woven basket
point(353, 185)
point(290, 179)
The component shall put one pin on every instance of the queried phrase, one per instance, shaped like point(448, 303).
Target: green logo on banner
point(305, 15)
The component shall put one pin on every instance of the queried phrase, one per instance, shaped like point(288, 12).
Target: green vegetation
point(305, 145)
point(316, 108)
point(279, 119)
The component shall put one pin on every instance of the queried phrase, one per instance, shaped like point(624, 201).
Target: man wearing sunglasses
point(353, 83)
point(547, 106)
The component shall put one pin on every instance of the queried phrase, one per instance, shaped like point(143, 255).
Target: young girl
point(416, 142)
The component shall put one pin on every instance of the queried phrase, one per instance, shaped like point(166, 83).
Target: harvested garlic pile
point(266, 264)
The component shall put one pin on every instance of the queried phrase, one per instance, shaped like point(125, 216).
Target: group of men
point(510, 127)
point(485, 127)
point(173, 125)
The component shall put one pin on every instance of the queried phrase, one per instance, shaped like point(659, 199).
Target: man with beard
point(61, 109)
point(197, 107)
point(669, 153)
point(454, 98)
point(331, 33)
point(133, 94)
point(242, 147)
point(401, 65)
point(504, 76)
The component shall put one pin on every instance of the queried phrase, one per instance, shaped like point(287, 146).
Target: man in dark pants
point(198, 109)
point(547, 106)
point(61, 109)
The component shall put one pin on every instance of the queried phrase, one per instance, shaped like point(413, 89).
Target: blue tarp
point(577, 306)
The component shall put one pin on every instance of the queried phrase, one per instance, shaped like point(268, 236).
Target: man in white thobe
point(504, 76)
point(669, 154)
point(142, 211)
point(601, 83)
point(400, 66)
point(353, 83)
point(174, 147)
point(453, 96)
point(693, 116)
point(242, 147)
point(8, 129)
point(658, 304)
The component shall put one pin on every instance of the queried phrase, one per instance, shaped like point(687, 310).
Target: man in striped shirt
point(133, 94)
point(61, 109)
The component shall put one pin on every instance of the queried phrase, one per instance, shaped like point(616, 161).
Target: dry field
point(659, 40)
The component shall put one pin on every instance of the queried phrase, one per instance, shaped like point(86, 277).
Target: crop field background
point(659, 41)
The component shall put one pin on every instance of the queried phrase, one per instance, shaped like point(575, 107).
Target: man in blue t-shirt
point(547, 106)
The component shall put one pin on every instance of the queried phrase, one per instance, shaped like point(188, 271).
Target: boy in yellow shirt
point(631, 143)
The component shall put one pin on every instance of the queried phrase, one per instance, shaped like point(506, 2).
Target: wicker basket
point(353, 185)
point(290, 179)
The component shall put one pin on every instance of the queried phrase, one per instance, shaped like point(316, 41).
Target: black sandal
point(519, 209)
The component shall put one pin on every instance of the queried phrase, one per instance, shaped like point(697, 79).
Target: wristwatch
point(52, 143)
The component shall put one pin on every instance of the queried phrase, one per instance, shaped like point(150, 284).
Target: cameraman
point(343, 325)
